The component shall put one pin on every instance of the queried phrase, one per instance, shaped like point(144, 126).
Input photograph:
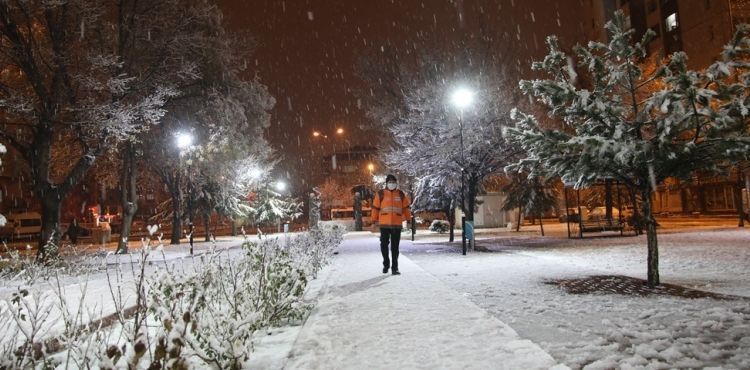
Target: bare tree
point(57, 89)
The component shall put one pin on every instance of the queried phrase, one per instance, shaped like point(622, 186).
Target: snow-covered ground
point(494, 309)
point(610, 331)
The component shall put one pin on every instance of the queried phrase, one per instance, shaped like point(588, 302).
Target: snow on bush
point(440, 226)
point(201, 312)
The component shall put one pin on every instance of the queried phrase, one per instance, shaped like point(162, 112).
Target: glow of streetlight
point(371, 167)
point(184, 140)
point(280, 186)
point(462, 97)
point(255, 173)
point(340, 131)
point(316, 133)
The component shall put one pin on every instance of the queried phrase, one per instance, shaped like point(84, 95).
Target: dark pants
point(394, 237)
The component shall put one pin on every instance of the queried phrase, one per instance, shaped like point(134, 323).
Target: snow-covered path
point(365, 319)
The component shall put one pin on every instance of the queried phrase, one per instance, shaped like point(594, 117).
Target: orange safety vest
point(391, 208)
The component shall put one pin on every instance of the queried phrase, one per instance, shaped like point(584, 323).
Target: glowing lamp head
point(462, 98)
point(184, 140)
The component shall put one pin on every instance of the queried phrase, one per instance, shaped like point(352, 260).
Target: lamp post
point(184, 140)
point(462, 98)
point(280, 186)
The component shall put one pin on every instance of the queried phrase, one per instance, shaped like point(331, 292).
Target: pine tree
point(634, 127)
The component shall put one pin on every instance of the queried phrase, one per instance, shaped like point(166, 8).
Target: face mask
point(391, 185)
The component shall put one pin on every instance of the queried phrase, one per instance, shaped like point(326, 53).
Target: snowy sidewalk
point(365, 319)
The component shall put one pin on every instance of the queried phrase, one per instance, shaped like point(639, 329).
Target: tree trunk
point(451, 215)
point(738, 199)
point(473, 184)
point(652, 260)
point(637, 224)
point(518, 221)
point(52, 194)
point(129, 196)
point(207, 225)
point(608, 198)
point(49, 238)
point(702, 206)
point(541, 224)
point(357, 212)
point(234, 226)
point(176, 192)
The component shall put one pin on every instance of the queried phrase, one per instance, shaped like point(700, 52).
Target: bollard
point(463, 233)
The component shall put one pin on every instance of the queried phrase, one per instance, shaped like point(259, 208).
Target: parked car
point(18, 225)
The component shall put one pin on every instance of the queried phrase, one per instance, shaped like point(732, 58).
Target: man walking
point(390, 209)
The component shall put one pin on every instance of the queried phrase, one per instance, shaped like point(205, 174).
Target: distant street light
point(371, 167)
point(280, 186)
point(339, 131)
point(462, 98)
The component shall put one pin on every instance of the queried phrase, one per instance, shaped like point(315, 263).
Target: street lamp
point(280, 187)
point(339, 131)
point(184, 140)
point(462, 98)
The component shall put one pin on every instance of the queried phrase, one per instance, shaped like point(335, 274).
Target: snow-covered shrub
point(313, 249)
point(440, 226)
point(202, 312)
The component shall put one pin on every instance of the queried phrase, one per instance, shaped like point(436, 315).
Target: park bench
point(602, 225)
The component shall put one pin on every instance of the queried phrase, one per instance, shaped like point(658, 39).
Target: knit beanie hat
point(390, 178)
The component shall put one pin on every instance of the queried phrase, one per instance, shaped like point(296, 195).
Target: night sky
point(308, 50)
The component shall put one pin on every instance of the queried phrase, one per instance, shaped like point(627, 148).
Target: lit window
point(672, 22)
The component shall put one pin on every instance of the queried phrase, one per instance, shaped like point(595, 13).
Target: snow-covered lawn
point(610, 331)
